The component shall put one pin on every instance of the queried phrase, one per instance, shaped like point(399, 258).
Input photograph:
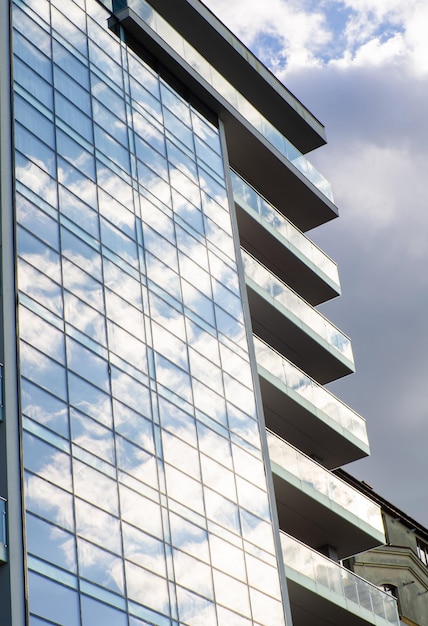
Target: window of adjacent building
point(422, 549)
point(392, 590)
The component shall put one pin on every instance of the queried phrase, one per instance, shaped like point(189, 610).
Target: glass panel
point(189, 537)
point(231, 593)
point(100, 566)
point(181, 455)
point(136, 462)
point(94, 612)
point(42, 335)
point(53, 601)
point(177, 421)
point(195, 610)
point(222, 511)
point(44, 408)
point(49, 501)
point(97, 526)
point(322, 399)
point(43, 371)
point(285, 297)
point(95, 487)
point(89, 399)
point(34, 121)
point(218, 477)
point(337, 580)
point(32, 56)
point(38, 222)
point(85, 318)
point(144, 550)
point(184, 489)
point(51, 543)
point(41, 257)
point(139, 580)
point(227, 558)
point(193, 574)
point(132, 504)
point(291, 237)
point(90, 435)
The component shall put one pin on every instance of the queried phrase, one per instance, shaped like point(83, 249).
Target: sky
point(361, 67)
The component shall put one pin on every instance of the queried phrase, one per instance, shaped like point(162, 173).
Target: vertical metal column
point(12, 573)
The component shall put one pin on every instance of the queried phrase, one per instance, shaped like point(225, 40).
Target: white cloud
point(300, 33)
point(290, 34)
point(374, 53)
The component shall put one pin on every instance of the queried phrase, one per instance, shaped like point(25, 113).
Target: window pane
point(98, 526)
point(46, 461)
point(51, 543)
point(100, 566)
point(52, 601)
point(49, 501)
point(94, 612)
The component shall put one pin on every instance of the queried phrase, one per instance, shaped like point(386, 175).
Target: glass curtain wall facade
point(159, 330)
point(145, 492)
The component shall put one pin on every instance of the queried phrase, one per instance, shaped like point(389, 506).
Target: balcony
point(294, 327)
point(304, 413)
point(238, 65)
point(256, 148)
point(3, 532)
point(323, 593)
point(282, 247)
point(317, 507)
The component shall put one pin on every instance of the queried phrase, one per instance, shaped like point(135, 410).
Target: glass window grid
point(67, 60)
point(27, 21)
point(32, 57)
point(39, 13)
point(74, 5)
point(50, 264)
point(69, 33)
point(26, 80)
point(37, 151)
point(37, 119)
point(71, 90)
point(33, 301)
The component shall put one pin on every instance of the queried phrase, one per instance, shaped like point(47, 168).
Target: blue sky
point(361, 67)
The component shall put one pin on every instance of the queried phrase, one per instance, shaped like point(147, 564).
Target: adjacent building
point(166, 443)
point(400, 567)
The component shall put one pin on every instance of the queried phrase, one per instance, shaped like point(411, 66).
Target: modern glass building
point(166, 441)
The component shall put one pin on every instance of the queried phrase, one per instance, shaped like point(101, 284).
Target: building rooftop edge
point(202, 29)
point(385, 505)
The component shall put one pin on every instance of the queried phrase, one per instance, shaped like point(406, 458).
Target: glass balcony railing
point(227, 91)
point(308, 390)
point(339, 585)
point(292, 238)
point(315, 477)
point(306, 315)
point(3, 531)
